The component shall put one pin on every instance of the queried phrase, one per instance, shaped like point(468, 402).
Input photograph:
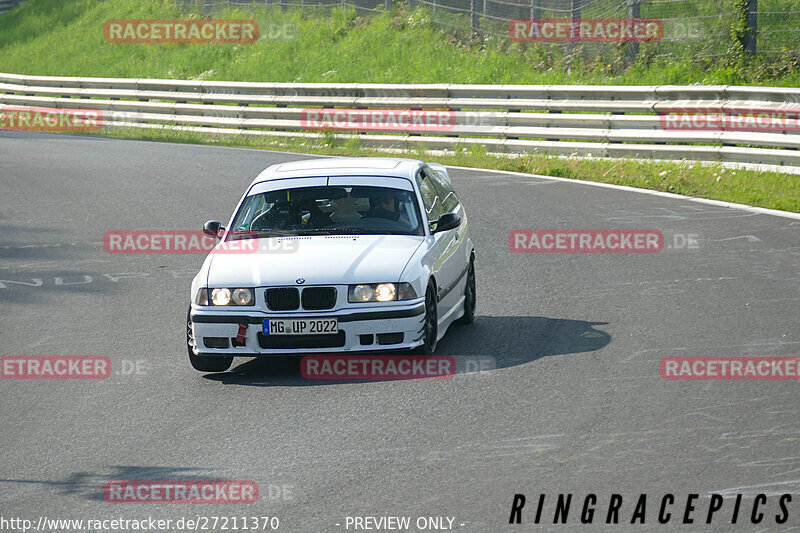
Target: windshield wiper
point(324, 231)
point(260, 232)
point(346, 231)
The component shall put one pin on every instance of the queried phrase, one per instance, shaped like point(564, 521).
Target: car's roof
point(341, 166)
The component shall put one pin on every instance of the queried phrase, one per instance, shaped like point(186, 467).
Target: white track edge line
point(718, 203)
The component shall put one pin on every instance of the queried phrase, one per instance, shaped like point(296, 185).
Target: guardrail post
point(536, 9)
point(387, 5)
point(632, 47)
point(751, 32)
point(473, 9)
point(575, 9)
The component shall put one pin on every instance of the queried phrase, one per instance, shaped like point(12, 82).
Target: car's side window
point(446, 192)
point(430, 197)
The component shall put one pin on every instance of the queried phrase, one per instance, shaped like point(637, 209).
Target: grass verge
point(65, 38)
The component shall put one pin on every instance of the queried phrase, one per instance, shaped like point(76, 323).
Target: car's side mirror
point(446, 222)
point(213, 228)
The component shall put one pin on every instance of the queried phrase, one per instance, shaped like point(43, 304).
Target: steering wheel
point(266, 221)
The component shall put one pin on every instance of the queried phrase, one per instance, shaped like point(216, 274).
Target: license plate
point(300, 326)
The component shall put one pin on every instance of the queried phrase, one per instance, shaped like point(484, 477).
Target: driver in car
point(383, 207)
point(289, 215)
point(316, 218)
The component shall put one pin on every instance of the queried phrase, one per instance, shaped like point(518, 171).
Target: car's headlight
point(224, 296)
point(242, 296)
point(380, 292)
point(221, 296)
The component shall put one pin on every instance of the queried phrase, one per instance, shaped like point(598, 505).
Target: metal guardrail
point(599, 121)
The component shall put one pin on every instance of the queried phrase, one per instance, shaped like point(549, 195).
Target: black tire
point(430, 329)
point(470, 300)
point(204, 363)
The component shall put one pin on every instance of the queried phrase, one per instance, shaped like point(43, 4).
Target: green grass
point(65, 37)
point(771, 190)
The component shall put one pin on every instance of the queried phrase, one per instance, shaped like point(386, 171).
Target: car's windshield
point(328, 210)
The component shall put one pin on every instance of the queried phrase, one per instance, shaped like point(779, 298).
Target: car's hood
point(339, 259)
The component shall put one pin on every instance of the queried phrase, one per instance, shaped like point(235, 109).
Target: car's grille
point(283, 299)
point(333, 340)
point(319, 298)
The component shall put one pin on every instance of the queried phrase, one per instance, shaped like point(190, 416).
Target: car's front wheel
point(204, 363)
point(430, 328)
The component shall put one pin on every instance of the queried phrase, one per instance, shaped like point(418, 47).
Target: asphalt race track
point(574, 402)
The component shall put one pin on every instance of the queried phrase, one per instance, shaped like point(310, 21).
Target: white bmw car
point(334, 256)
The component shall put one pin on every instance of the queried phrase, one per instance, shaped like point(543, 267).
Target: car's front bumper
point(385, 325)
